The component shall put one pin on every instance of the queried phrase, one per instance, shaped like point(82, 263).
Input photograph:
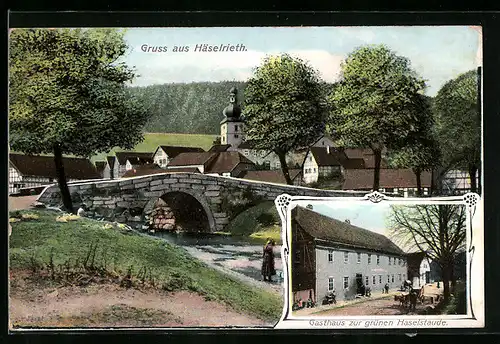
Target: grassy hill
point(153, 140)
point(42, 241)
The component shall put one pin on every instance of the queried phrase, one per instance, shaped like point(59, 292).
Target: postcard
point(245, 178)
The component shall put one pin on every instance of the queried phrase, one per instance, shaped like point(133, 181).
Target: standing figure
point(268, 260)
point(386, 287)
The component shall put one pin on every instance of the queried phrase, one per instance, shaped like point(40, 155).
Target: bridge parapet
point(131, 200)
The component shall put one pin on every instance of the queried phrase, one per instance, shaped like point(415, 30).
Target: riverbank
point(87, 245)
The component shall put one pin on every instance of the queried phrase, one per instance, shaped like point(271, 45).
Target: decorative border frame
point(475, 268)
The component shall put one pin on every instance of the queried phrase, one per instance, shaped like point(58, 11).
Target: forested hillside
point(194, 108)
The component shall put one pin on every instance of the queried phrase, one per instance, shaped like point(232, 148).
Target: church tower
point(232, 127)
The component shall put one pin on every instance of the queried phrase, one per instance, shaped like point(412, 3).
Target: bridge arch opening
point(180, 211)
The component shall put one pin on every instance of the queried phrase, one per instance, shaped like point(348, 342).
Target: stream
point(238, 256)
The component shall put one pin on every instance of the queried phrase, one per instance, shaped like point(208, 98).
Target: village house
point(100, 166)
point(329, 255)
point(228, 163)
point(117, 165)
point(273, 176)
point(457, 182)
point(163, 154)
point(392, 181)
point(34, 171)
point(419, 269)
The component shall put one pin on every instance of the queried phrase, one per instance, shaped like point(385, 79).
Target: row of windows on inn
point(310, 170)
point(375, 280)
point(392, 260)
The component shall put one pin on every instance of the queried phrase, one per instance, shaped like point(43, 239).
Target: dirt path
point(21, 202)
point(108, 305)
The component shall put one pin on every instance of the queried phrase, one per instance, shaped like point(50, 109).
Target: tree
point(284, 107)
point(458, 120)
point(420, 152)
point(68, 95)
point(377, 103)
point(438, 230)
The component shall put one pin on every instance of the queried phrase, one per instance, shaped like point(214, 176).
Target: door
point(359, 284)
point(427, 277)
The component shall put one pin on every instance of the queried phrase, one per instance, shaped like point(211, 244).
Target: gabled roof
point(366, 154)
point(183, 169)
point(271, 176)
point(44, 166)
point(143, 170)
point(191, 159)
point(100, 165)
point(362, 179)
point(173, 151)
point(219, 148)
point(325, 157)
point(339, 232)
point(139, 157)
point(225, 162)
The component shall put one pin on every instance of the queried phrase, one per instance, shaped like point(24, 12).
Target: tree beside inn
point(331, 255)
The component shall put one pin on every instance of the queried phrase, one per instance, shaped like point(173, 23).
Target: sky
point(437, 53)
point(368, 216)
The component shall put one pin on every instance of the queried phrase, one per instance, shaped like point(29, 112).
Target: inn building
point(332, 255)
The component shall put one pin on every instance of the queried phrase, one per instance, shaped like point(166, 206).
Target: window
point(388, 279)
point(254, 152)
point(378, 259)
point(310, 158)
point(262, 153)
point(379, 278)
point(331, 283)
point(236, 136)
point(346, 257)
point(392, 278)
point(236, 128)
point(399, 277)
point(314, 170)
point(366, 280)
point(390, 260)
point(246, 152)
point(330, 256)
point(346, 282)
point(223, 139)
point(374, 279)
point(369, 259)
point(359, 258)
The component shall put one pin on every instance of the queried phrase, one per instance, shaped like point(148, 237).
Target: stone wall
point(131, 200)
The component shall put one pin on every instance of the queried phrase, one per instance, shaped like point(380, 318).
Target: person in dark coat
point(268, 269)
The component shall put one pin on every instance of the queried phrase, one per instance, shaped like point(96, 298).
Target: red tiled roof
point(225, 162)
point(219, 148)
point(173, 151)
point(134, 157)
point(327, 156)
point(44, 166)
point(362, 179)
point(366, 154)
point(271, 176)
point(191, 158)
point(144, 170)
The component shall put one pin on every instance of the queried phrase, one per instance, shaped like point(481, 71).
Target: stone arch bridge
point(199, 201)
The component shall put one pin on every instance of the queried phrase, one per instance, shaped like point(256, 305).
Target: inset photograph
point(378, 259)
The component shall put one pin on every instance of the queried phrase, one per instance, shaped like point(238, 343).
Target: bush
point(265, 219)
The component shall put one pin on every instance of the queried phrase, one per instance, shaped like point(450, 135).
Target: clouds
point(437, 53)
point(159, 68)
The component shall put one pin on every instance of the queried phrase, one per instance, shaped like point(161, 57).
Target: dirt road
point(110, 305)
point(384, 306)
